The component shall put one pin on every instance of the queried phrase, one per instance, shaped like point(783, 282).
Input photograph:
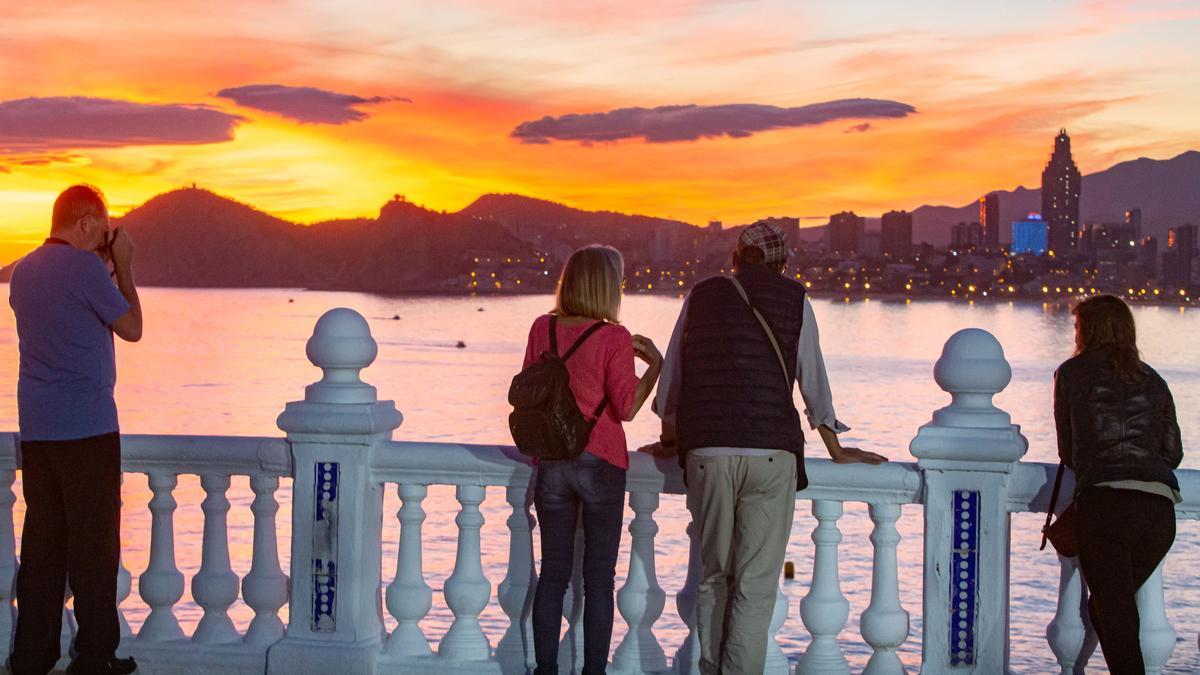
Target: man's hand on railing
point(657, 450)
point(847, 455)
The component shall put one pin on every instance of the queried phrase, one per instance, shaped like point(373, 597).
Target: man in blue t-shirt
point(67, 308)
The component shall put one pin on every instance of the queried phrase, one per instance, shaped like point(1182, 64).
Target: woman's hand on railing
point(847, 455)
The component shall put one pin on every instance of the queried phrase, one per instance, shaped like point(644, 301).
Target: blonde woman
point(605, 385)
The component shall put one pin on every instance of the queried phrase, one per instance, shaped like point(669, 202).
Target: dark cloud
point(858, 128)
point(57, 123)
point(304, 104)
point(666, 124)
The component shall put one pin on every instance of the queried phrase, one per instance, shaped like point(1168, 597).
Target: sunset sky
point(314, 109)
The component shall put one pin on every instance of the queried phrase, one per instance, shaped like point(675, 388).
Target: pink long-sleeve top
point(602, 366)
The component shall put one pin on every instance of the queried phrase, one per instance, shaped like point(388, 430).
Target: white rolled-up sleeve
point(810, 374)
point(666, 402)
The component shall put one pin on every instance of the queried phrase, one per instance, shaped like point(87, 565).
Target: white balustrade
point(1157, 635)
point(969, 478)
point(1069, 632)
point(215, 586)
point(408, 596)
point(776, 662)
point(825, 610)
point(884, 624)
point(161, 585)
point(687, 658)
point(265, 587)
point(467, 590)
point(641, 599)
point(513, 651)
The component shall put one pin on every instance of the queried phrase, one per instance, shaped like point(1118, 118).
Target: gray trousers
point(743, 508)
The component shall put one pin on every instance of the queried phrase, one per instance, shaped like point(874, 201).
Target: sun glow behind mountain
point(686, 108)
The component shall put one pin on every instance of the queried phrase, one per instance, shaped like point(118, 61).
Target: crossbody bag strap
point(1053, 502)
point(787, 380)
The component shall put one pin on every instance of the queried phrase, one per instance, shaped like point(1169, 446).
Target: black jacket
point(1110, 429)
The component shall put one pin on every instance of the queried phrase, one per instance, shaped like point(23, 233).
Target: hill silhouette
point(196, 238)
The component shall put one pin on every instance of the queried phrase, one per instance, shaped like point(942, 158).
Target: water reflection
point(225, 362)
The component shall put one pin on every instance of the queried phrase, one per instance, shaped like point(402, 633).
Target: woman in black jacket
point(1118, 432)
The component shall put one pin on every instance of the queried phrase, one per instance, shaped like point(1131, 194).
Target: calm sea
point(225, 362)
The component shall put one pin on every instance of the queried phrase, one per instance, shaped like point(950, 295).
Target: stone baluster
point(570, 648)
point(124, 584)
point(1157, 635)
point(776, 662)
point(265, 587)
point(409, 598)
point(825, 610)
point(335, 618)
point(8, 558)
point(513, 652)
point(161, 585)
point(641, 599)
point(884, 624)
point(467, 591)
point(1068, 632)
point(687, 658)
point(966, 456)
point(215, 586)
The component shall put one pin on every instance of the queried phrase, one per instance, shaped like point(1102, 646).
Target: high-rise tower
point(1060, 196)
point(989, 218)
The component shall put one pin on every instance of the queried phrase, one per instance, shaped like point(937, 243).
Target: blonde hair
point(590, 284)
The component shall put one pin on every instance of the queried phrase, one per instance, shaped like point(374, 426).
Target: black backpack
point(546, 421)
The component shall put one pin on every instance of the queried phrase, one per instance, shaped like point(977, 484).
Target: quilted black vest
point(732, 390)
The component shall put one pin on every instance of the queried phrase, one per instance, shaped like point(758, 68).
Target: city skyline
point(314, 110)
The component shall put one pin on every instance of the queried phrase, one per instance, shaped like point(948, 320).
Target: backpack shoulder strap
point(767, 329)
point(554, 334)
point(586, 334)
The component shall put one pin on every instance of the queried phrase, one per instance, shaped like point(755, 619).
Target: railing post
point(215, 586)
point(1068, 633)
point(265, 587)
point(335, 621)
point(409, 598)
point(966, 455)
point(641, 599)
point(1157, 635)
point(884, 623)
point(687, 658)
point(515, 649)
point(825, 609)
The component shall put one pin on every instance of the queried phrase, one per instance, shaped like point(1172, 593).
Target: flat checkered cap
point(767, 238)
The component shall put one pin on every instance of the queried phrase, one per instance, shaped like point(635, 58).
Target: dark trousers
point(72, 529)
point(1122, 535)
point(563, 489)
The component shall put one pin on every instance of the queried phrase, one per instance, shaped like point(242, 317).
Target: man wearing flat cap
point(725, 398)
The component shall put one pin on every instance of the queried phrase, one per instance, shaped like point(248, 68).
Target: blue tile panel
point(324, 549)
point(964, 565)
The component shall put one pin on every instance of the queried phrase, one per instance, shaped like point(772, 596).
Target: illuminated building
point(1029, 235)
point(1061, 183)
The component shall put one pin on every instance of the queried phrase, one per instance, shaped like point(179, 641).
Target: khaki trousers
point(743, 508)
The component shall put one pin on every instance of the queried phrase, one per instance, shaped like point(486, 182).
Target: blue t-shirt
point(65, 304)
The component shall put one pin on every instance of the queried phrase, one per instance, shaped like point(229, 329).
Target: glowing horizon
point(447, 103)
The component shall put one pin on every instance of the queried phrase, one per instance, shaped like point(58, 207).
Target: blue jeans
point(563, 488)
